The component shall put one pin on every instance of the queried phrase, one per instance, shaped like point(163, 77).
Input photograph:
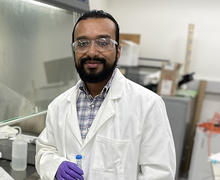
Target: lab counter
point(6, 150)
point(29, 174)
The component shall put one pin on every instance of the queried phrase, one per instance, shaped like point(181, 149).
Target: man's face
point(94, 65)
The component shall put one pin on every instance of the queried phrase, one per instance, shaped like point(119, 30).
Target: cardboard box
point(130, 37)
point(168, 79)
point(129, 49)
point(129, 54)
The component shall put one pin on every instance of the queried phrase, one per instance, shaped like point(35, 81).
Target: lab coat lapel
point(105, 113)
point(107, 109)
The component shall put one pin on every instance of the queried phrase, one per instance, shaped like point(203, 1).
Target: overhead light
point(42, 4)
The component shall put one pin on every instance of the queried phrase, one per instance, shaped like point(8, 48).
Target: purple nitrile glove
point(69, 171)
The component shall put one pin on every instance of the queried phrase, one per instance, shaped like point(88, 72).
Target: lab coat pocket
point(109, 157)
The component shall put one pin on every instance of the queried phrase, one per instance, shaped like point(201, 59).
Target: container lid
point(78, 156)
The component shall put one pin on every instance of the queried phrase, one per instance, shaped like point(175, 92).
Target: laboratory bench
point(29, 174)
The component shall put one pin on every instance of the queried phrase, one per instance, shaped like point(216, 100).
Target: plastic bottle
point(19, 155)
point(79, 160)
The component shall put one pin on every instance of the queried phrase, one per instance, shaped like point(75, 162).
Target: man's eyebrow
point(104, 36)
point(99, 36)
point(82, 37)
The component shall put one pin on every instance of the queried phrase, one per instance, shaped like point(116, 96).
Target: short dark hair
point(98, 14)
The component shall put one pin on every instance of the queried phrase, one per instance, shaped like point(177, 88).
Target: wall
point(98, 4)
point(163, 25)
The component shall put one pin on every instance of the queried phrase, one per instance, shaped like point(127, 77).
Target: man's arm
point(157, 159)
point(47, 159)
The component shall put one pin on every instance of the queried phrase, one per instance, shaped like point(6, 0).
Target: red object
point(211, 127)
point(208, 126)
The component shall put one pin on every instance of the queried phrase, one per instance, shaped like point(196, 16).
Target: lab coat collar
point(73, 91)
point(118, 84)
point(116, 89)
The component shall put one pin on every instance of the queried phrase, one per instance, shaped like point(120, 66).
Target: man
point(120, 128)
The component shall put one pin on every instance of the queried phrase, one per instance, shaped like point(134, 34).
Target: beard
point(92, 77)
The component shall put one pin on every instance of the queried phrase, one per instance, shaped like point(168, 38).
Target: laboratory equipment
point(19, 154)
point(79, 161)
point(8, 131)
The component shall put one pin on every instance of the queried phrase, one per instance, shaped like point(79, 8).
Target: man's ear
point(118, 51)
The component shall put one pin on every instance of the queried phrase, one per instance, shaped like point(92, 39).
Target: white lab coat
point(130, 137)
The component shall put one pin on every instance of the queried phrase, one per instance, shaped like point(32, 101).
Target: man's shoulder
point(139, 90)
point(129, 86)
point(141, 97)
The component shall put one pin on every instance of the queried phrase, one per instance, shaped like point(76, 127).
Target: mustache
point(84, 60)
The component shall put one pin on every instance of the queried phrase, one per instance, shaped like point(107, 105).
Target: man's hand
point(69, 171)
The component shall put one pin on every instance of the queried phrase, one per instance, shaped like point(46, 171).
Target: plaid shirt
point(87, 106)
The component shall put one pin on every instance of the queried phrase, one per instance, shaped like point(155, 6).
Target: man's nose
point(92, 50)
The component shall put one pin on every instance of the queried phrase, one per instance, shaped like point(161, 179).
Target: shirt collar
point(104, 91)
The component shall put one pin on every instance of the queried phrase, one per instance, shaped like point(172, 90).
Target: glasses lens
point(81, 45)
point(103, 42)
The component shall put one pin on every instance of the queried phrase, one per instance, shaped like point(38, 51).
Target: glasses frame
point(98, 48)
